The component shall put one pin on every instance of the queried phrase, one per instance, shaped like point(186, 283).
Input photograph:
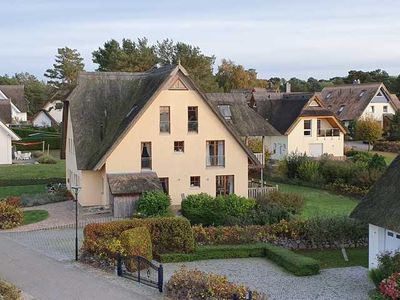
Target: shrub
point(297, 264)
point(337, 171)
point(136, 242)
point(40, 199)
point(197, 285)
point(172, 234)
point(10, 215)
point(9, 291)
point(14, 201)
point(294, 203)
point(154, 203)
point(308, 171)
point(388, 263)
point(46, 159)
point(37, 154)
point(390, 287)
point(293, 161)
point(387, 146)
point(206, 210)
point(264, 215)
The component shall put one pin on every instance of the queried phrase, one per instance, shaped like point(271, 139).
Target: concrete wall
point(178, 167)
point(5, 148)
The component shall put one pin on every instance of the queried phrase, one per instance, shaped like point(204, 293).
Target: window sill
point(179, 152)
point(215, 167)
point(194, 188)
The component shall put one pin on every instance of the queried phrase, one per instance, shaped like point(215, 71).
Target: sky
point(291, 38)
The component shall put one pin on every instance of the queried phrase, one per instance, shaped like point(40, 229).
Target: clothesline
point(27, 143)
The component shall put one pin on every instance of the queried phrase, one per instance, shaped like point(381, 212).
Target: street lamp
point(76, 191)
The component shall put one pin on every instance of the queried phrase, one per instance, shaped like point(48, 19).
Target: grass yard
point(389, 157)
point(33, 171)
point(34, 216)
point(334, 259)
point(320, 202)
point(7, 191)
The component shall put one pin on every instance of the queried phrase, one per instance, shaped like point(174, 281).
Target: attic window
point(379, 94)
point(225, 111)
point(362, 93)
point(314, 104)
point(340, 109)
point(328, 96)
point(178, 85)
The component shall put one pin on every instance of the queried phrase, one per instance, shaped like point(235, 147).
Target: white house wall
point(41, 120)
point(381, 240)
point(277, 146)
point(378, 103)
point(5, 148)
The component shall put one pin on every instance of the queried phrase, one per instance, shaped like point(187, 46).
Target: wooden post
point(263, 162)
point(43, 146)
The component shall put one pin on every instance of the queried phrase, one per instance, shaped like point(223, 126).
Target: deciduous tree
point(368, 129)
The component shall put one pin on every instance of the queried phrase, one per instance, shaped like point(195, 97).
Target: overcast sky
point(307, 38)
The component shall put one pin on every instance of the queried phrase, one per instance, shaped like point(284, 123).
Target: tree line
point(138, 56)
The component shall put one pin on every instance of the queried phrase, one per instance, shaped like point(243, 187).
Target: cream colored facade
point(312, 145)
point(125, 157)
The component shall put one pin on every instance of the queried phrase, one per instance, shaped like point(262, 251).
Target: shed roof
point(133, 183)
point(381, 206)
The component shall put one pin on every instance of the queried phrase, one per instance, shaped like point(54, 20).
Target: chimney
point(288, 87)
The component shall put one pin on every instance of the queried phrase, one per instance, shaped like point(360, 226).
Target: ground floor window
point(165, 184)
point(224, 185)
point(194, 181)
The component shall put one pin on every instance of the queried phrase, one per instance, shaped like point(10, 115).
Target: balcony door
point(224, 185)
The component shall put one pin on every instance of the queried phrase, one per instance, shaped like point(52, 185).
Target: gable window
point(165, 184)
point(193, 119)
point(340, 109)
point(178, 85)
point(225, 111)
point(372, 108)
point(194, 181)
point(224, 185)
point(146, 155)
point(385, 109)
point(215, 153)
point(379, 94)
point(307, 127)
point(165, 125)
point(179, 146)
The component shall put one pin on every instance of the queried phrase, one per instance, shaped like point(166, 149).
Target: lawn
point(34, 216)
point(33, 171)
point(389, 157)
point(320, 202)
point(6, 191)
point(334, 259)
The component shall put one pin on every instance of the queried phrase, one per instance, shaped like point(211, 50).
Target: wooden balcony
point(328, 132)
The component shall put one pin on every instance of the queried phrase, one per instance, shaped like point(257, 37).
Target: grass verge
point(7, 191)
point(34, 216)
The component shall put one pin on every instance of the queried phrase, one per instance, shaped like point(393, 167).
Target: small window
point(372, 109)
point(362, 93)
point(194, 181)
point(165, 184)
point(328, 96)
point(398, 236)
point(379, 94)
point(307, 127)
point(385, 109)
point(340, 109)
point(390, 234)
point(179, 146)
point(215, 153)
point(164, 119)
point(193, 121)
point(146, 155)
point(225, 111)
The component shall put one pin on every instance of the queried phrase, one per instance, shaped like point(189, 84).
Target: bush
point(154, 203)
point(206, 210)
point(390, 287)
point(46, 159)
point(41, 199)
point(197, 285)
point(388, 263)
point(293, 162)
point(387, 146)
point(14, 201)
point(9, 291)
point(297, 264)
point(308, 170)
point(172, 234)
point(294, 203)
point(10, 215)
point(37, 154)
point(136, 242)
point(264, 215)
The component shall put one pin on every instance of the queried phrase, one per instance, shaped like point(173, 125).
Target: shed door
point(124, 206)
point(316, 150)
point(392, 241)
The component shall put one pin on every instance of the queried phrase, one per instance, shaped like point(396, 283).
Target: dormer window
point(362, 93)
point(225, 111)
point(328, 96)
point(340, 109)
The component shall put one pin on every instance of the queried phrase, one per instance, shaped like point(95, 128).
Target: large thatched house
point(354, 101)
point(13, 104)
point(130, 124)
point(381, 210)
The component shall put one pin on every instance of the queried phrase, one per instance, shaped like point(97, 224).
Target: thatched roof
point(283, 112)
point(16, 94)
point(133, 183)
point(381, 206)
point(5, 111)
point(104, 105)
point(354, 98)
point(244, 119)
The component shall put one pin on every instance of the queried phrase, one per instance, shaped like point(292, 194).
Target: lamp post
point(76, 191)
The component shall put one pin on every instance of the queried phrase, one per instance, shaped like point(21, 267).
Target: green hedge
point(30, 181)
point(294, 263)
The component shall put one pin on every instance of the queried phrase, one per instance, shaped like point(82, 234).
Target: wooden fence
point(254, 192)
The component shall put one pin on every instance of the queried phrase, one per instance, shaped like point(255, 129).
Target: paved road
point(47, 279)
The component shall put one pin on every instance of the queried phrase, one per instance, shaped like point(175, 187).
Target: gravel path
point(264, 276)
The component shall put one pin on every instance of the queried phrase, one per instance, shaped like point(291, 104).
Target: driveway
point(47, 279)
point(264, 276)
point(357, 145)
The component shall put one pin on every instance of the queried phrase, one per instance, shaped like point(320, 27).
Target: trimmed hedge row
point(168, 234)
point(31, 181)
point(295, 263)
point(387, 146)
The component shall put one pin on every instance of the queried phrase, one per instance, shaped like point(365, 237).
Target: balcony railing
point(260, 157)
point(146, 163)
point(328, 132)
point(215, 160)
point(255, 192)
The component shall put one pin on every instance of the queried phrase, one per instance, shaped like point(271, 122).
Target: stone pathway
point(264, 276)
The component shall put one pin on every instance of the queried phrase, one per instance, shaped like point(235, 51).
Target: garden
point(224, 227)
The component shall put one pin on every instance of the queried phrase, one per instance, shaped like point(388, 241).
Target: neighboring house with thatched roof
point(380, 208)
point(305, 124)
point(6, 138)
point(13, 104)
point(43, 119)
point(156, 121)
point(354, 101)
